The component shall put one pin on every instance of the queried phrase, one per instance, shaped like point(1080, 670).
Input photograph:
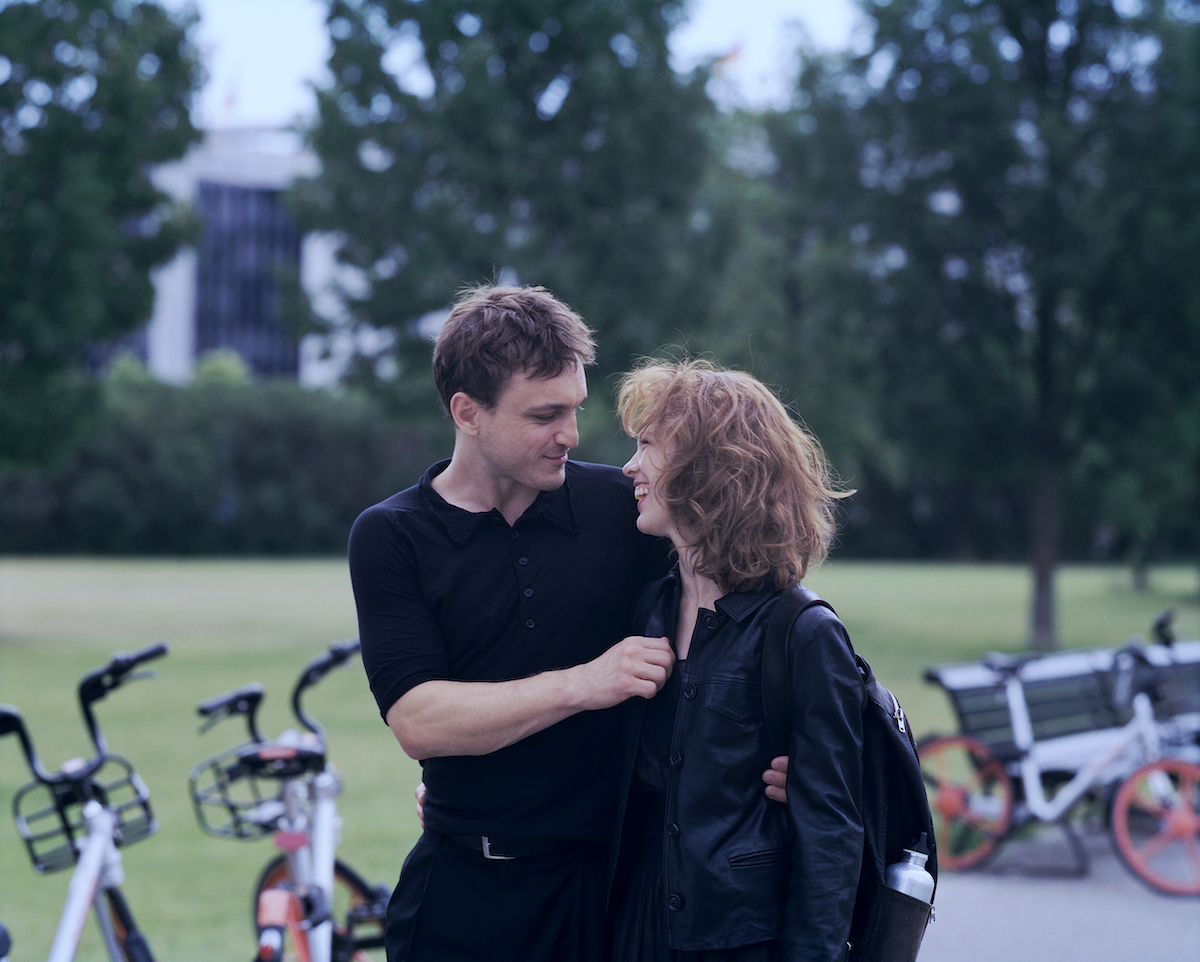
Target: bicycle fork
point(94, 884)
point(304, 910)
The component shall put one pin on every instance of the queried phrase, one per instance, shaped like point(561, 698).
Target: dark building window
point(249, 244)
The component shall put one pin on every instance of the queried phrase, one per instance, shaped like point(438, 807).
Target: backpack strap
point(777, 674)
point(776, 664)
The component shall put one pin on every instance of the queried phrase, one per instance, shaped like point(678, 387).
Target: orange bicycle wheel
point(1155, 825)
point(971, 797)
point(358, 922)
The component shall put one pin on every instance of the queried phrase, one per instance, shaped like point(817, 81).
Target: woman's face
point(645, 468)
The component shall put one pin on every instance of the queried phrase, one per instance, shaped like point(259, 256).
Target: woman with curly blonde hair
point(708, 869)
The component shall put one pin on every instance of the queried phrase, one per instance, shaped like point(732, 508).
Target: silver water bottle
point(910, 875)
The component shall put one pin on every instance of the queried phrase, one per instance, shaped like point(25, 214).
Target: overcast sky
point(263, 54)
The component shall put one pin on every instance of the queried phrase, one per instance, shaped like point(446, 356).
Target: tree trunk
point(1141, 570)
point(1044, 537)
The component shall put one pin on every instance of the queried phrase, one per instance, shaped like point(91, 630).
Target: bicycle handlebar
point(97, 683)
point(247, 699)
point(12, 723)
point(339, 653)
point(239, 701)
point(94, 686)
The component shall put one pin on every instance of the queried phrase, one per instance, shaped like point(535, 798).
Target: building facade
point(229, 292)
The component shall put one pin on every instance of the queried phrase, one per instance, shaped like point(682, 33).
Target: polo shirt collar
point(557, 507)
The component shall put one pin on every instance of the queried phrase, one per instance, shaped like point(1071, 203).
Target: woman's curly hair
point(745, 484)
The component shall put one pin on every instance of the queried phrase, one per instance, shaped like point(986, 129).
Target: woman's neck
point(696, 592)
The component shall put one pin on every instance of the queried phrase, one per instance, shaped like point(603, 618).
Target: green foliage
point(1013, 191)
point(92, 94)
point(221, 466)
point(553, 143)
point(221, 367)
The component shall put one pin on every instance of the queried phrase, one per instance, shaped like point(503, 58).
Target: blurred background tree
point(93, 93)
point(552, 144)
point(965, 253)
point(221, 466)
point(1021, 212)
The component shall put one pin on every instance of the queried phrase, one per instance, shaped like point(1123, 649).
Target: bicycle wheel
point(130, 940)
point(358, 909)
point(971, 797)
point(1155, 825)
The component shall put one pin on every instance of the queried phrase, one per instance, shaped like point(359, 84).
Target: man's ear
point(465, 411)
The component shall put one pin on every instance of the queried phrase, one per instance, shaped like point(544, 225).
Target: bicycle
point(1042, 732)
point(82, 815)
point(306, 899)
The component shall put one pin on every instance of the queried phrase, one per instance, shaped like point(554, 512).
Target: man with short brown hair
point(493, 601)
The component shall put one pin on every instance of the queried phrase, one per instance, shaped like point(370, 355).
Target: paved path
point(1024, 907)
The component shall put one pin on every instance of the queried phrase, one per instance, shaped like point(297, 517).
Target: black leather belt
point(506, 849)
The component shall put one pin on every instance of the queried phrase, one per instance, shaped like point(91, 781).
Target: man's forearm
point(475, 718)
point(442, 717)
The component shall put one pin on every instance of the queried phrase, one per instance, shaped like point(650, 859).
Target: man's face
point(526, 437)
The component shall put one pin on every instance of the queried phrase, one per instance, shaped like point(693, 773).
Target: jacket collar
point(556, 507)
point(738, 605)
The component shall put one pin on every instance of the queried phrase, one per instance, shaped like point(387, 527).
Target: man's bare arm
point(439, 718)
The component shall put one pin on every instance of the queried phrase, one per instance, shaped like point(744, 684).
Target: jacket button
point(674, 902)
point(675, 758)
point(689, 690)
point(673, 830)
point(710, 622)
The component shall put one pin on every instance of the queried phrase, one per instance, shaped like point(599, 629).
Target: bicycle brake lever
point(209, 721)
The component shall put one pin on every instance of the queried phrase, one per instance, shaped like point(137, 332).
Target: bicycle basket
point(237, 793)
point(50, 817)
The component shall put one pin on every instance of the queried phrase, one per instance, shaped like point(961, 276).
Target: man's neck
point(463, 486)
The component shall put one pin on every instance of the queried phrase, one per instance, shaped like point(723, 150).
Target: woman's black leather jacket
point(739, 868)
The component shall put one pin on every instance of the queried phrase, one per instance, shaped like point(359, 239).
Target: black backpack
point(887, 926)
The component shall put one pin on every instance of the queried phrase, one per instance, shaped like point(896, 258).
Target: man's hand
point(636, 666)
point(776, 779)
point(440, 717)
point(419, 792)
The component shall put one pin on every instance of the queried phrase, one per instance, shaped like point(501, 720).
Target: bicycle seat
point(275, 760)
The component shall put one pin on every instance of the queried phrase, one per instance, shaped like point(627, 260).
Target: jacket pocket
point(768, 856)
point(742, 703)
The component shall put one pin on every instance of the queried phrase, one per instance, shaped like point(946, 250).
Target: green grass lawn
point(231, 622)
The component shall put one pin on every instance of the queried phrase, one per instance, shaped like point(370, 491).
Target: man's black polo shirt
point(444, 593)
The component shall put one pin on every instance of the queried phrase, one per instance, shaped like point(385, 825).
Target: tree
point(552, 140)
point(220, 466)
point(1007, 152)
point(93, 93)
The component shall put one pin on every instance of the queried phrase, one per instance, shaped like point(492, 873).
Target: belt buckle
point(487, 852)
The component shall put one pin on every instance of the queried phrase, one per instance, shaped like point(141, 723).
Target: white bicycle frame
point(309, 835)
point(1121, 749)
point(98, 869)
point(311, 862)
